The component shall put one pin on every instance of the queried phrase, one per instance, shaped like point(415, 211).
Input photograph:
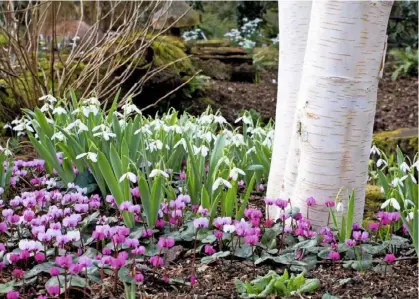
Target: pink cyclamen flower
point(39, 257)
point(54, 271)
point(364, 236)
point(269, 201)
point(140, 250)
point(218, 234)
point(329, 204)
point(156, 261)
point(53, 290)
point(193, 280)
point(374, 226)
point(209, 249)
point(334, 255)
point(165, 242)
point(139, 277)
point(18, 273)
point(260, 187)
point(64, 261)
point(201, 222)
point(281, 203)
point(12, 295)
point(311, 201)
point(350, 243)
point(251, 239)
point(389, 258)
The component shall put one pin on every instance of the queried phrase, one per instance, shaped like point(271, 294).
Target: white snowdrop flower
point(226, 160)
point(339, 207)
point(410, 216)
point(404, 167)
point(219, 119)
point(258, 132)
point(90, 109)
point(229, 228)
point(408, 202)
point(245, 119)
point(177, 129)
point(416, 164)
point(49, 120)
point(234, 173)
point(75, 111)
point(220, 181)
point(392, 202)
point(58, 136)
point(206, 119)
point(46, 107)
point(203, 150)
point(101, 127)
point(144, 129)
point(59, 111)
point(92, 101)
point(238, 140)
point(48, 98)
point(182, 142)
point(382, 190)
point(157, 124)
point(156, 172)
point(155, 145)
point(374, 150)
point(381, 162)
point(7, 126)
point(129, 175)
point(208, 136)
point(24, 126)
point(105, 135)
point(413, 178)
point(6, 151)
point(129, 108)
point(73, 235)
point(90, 156)
point(398, 181)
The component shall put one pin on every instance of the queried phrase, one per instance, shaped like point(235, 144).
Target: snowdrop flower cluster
point(192, 35)
point(245, 36)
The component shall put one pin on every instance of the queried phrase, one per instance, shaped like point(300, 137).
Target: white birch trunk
point(294, 20)
point(336, 104)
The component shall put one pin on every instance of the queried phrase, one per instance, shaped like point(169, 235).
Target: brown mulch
point(397, 101)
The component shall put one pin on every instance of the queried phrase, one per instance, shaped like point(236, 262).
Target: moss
point(373, 200)
point(3, 40)
point(406, 139)
point(267, 57)
point(213, 43)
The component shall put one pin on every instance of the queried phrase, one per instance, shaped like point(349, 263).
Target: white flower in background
point(7, 126)
point(257, 132)
point(92, 101)
point(6, 151)
point(238, 140)
point(77, 123)
point(129, 175)
point(208, 136)
point(413, 178)
point(155, 145)
point(206, 119)
point(48, 98)
point(398, 181)
point(144, 129)
point(416, 164)
point(24, 125)
point(410, 216)
point(59, 136)
point(203, 150)
point(374, 150)
point(408, 202)
point(234, 173)
point(220, 181)
point(46, 107)
point(182, 142)
point(226, 160)
point(49, 120)
point(251, 150)
point(157, 124)
point(90, 109)
point(219, 119)
point(339, 207)
point(156, 172)
point(90, 156)
point(105, 132)
point(177, 129)
point(50, 183)
point(59, 111)
point(75, 111)
point(78, 188)
point(404, 167)
point(73, 235)
point(381, 162)
point(245, 119)
point(392, 202)
point(129, 108)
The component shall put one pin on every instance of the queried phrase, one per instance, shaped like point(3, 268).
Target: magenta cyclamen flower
point(53, 290)
point(334, 255)
point(139, 250)
point(251, 239)
point(389, 258)
point(156, 261)
point(18, 273)
point(281, 203)
point(12, 295)
point(208, 249)
point(64, 261)
point(54, 271)
point(311, 201)
point(165, 243)
point(39, 257)
point(350, 243)
point(374, 226)
point(329, 204)
point(201, 222)
point(269, 201)
point(139, 277)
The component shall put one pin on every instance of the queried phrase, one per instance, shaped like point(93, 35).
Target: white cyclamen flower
point(220, 181)
point(156, 172)
point(392, 202)
point(129, 175)
point(229, 228)
point(234, 173)
point(90, 156)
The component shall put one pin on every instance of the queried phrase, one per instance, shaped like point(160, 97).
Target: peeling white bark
point(294, 20)
point(336, 105)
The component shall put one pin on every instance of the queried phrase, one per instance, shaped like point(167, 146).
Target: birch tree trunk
point(333, 125)
point(294, 20)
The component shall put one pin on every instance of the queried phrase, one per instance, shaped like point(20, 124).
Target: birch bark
point(294, 20)
point(336, 104)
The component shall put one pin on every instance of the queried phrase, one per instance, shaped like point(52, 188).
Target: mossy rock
point(405, 138)
point(213, 68)
point(373, 200)
point(212, 43)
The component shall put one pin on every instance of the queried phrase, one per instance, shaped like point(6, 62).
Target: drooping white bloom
point(220, 181)
point(237, 140)
point(59, 111)
point(48, 98)
point(203, 150)
point(339, 207)
point(413, 178)
point(129, 108)
point(208, 136)
point(156, 172)
point(374, 150)
point(182, 142)
point(59, 136)
point(77, 123)
point(90, 156)
point(245, 119)
point(129, 175)
point(404, 167)
point(46, 107)
point(219, 119)
point(251, 150)
point(408, 202)
point(144, 129)
point(24, 125)
point(381, 162)
point(206, 119)
point(155, 145)
point(6, 151)
point(92, 101)
point(234, 173)
point(90, 109)
point(392, 202)
point(398, 181)
point(105, 135)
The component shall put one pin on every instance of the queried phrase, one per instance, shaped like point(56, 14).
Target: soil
point(397, 101)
